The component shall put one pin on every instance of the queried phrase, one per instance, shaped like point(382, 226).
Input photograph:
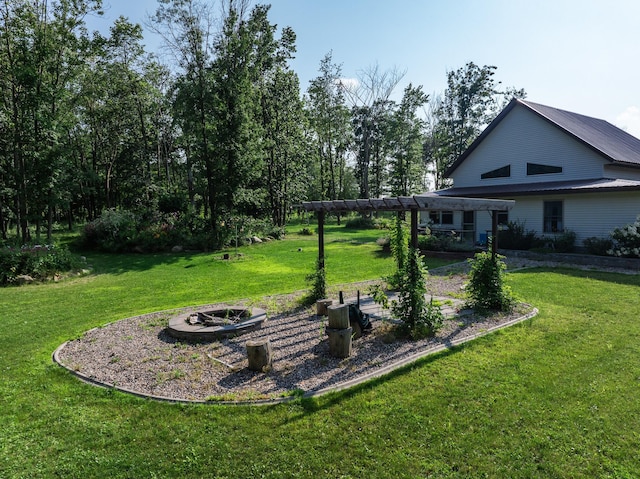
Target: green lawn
point(556, 396)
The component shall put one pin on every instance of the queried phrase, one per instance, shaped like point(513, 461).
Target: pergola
point(413, 204)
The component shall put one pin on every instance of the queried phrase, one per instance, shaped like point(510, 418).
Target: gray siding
point(524, 137)
point(587, 215)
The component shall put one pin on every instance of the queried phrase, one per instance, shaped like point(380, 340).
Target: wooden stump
point(339, 342)
point(322, 305)
point(338, 316)
point(259, 355)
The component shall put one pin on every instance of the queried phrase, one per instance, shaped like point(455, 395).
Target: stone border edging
point(308, 394)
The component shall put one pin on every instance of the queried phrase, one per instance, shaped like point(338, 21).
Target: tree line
point(91, 123)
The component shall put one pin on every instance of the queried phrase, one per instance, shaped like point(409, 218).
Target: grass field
point(555, 396)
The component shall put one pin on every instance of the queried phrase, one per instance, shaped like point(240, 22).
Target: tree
point(405, 138)
point(331, 132)
point(284, 155)
point(41, 52)
point(470, 102)
point(370, 107)
point(186, 27)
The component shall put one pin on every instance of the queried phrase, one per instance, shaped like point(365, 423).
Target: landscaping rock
point(24, 279)
point(177, 249)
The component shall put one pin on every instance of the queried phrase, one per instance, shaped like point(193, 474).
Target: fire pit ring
point(215, 323)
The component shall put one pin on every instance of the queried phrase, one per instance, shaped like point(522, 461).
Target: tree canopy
point(222, 136)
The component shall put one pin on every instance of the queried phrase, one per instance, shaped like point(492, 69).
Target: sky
point(576, 55)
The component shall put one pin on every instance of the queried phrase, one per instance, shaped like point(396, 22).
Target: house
point(567, 172)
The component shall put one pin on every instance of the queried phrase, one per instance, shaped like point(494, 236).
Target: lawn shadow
point(104, 263)
point(313, 404)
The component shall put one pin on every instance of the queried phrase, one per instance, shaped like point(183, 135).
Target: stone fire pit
point(216, 323)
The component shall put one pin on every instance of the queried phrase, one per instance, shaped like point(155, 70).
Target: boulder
point(24, 279)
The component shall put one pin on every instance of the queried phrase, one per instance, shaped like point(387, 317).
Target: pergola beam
point(406, 203)
point(427, 201)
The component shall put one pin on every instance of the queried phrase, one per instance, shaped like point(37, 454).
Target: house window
point(503, 218)
point(503, 172)
point(441, 217)
point(553, 217)
point(536, 169)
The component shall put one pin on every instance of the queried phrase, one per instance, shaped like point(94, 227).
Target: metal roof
point(427, 201)
point(611, 142)
point(550, 187)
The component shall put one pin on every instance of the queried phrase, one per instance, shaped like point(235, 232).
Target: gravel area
point(137, 354)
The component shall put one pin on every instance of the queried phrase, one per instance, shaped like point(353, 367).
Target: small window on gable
point(537, 169)
point(503, 172)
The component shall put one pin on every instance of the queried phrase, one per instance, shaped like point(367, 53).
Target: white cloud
point(629, 121)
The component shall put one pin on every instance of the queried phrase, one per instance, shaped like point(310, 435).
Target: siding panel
point(523, 137)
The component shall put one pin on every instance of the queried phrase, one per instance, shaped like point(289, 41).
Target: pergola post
point(321, 239)
point(494, 235)
point(414, 228)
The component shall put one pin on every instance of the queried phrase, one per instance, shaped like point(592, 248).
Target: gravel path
point(137, 354)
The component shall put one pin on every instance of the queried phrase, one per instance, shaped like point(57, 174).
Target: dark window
point(503, 217)
point(536, 169)
point(441, 217)
point(553, 217)
point(468, 217)
point(503, 172)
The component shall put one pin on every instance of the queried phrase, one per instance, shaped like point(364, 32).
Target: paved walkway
point(450, 306)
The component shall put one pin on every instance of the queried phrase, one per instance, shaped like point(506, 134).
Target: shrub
point(598, 246)
point(420, 318)
point(517, 237)
point(565, 242)
point(626, 240)
point(382, 223)
point(486, 289)
point(41, 262)
point(432, 243)
point(113, 231)
point(318, 282)
point(384, 243)
point(360, 223)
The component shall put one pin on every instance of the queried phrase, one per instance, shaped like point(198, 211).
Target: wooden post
point(259, 355)
point(321, 239)
point(494, 234)
point(414, 228)
point(339, 342)
point(338, 316)
point(322, 306)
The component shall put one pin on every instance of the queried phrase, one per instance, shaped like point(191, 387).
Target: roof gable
point(614, 144)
